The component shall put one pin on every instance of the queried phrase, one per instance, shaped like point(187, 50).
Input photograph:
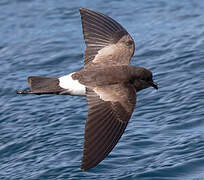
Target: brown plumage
point(107, 42)
point(109, 82)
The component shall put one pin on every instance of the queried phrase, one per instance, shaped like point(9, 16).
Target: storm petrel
point(108, 81)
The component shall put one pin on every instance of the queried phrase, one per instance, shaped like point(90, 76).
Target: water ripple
point(41, 137)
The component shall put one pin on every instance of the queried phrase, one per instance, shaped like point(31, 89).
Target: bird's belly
point(72, 87)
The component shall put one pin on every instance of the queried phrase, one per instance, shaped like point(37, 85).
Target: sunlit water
point(41, 137)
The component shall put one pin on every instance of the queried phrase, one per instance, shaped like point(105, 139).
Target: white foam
point(72, 86)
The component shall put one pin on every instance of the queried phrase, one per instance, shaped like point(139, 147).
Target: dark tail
point(42, 85)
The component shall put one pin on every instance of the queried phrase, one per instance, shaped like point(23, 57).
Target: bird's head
point(144, 79)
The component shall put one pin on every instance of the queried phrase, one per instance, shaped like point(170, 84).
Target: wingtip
point(88, 11)
point(83, 168)
point(85, 165)
point(81, 10)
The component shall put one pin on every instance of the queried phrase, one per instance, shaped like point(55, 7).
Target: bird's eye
point(149, 79)
point(129, 43)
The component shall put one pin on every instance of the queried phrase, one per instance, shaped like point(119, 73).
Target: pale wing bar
point(99, 31)
point(104, 127)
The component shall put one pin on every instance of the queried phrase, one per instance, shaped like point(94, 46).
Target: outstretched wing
point(109, 110)
point(107, 42)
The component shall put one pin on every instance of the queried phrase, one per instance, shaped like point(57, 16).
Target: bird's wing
point(109, 110)
point(107, 42)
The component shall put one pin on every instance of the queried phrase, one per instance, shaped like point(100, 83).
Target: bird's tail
point(42, 85)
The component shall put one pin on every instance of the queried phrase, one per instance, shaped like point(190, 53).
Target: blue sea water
point(41, 137)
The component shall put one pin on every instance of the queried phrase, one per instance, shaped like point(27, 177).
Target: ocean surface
point(41, 137)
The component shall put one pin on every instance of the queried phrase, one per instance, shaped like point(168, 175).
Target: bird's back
point(100, 76)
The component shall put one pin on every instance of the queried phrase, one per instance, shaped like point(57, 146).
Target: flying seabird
point(108, 81)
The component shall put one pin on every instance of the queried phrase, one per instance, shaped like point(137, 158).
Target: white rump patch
point(73, 86)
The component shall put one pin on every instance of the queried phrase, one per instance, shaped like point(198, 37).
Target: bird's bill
point(153, 84)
